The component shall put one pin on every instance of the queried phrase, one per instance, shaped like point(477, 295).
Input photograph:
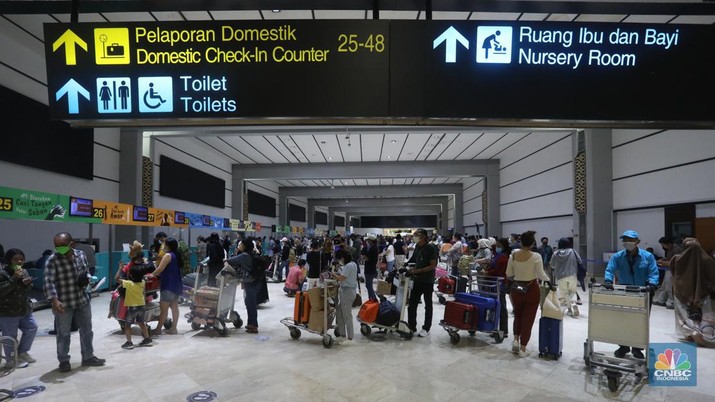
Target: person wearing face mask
point(15, 309)
point(497, 268)
point(243, 263)
point(66, 280)
point(664, 296)
point(347, 278)
point(425, 259)
point(632, 266)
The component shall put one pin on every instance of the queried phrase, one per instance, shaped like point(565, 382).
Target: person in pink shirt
point(295, 278)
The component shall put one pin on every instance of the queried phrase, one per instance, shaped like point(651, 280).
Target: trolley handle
point(626, 288)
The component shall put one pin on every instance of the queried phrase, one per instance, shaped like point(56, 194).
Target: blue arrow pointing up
point(450, 37)
point(72, 89)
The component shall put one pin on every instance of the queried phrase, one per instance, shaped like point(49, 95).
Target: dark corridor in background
point(183, 182)
point(31, 139)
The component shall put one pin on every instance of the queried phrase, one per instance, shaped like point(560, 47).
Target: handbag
point(358, 299)
point(552, 307)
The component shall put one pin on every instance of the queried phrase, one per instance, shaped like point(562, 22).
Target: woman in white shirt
point(390, 255)
point(524, 270)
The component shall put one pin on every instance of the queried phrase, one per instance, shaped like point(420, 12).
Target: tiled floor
point(270, 366)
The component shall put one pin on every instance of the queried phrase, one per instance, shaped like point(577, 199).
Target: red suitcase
point(445, 285)
point(461, 315)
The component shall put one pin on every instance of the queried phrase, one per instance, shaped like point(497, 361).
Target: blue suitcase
point(551, 340)
point(488, 307)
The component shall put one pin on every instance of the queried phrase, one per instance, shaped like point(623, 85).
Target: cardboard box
point(383, 287)
point(316, 299)
point(316, 322)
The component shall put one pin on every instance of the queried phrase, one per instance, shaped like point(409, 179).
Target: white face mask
point(630, 246)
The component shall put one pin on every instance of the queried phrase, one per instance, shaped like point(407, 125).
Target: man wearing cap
point(632, 266)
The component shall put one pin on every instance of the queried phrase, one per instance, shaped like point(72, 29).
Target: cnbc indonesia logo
point(674, 367)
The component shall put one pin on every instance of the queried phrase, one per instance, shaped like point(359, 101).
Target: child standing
point(135, 303)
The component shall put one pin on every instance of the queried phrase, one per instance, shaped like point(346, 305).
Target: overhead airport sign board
point(217, 69)
point(181, 71)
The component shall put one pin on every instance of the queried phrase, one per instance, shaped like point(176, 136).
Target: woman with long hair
point(171, 286)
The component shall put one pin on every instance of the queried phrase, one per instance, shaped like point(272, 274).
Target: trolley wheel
point(220, 326)
point(327, 341)
point(441, 299)
point(472, 333)
point(365, 329)
point(294, 333)
point(407, 335)
point(195, 326)
point(167, 323)
point(236, 319)
point(454, 338)
point(612, 383)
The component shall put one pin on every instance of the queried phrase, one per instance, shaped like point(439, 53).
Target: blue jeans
point(390, 265)
point(369, 278)
point(26, 324)
point(251, 301)
point(63, 323)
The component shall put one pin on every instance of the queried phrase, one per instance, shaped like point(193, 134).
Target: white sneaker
point(575, 310)
point(515, 346)
point(340, 339)
point(11, 364)
point(423, 333)
point(347, 342)
point(26, 357)
point(524, 353)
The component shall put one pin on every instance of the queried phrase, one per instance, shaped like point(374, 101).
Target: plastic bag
point(552, 307)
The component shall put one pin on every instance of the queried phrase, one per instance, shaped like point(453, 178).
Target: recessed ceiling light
point(330, 158)
point(276, 11)
point(393, 141)
point(388, 157)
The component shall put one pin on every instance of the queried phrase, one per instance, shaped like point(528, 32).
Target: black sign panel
point(570, 71)
point(480, 70)
point(217, 69)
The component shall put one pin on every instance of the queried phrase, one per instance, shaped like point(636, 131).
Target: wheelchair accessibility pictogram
point(156, 94)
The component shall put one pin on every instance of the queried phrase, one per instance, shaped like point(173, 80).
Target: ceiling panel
point(274, 155)
point(82, 17)
point(500, 145)
point(128, 17)
point(394, 15)
point(339, 14)
point(350, 146)
point(444, 144)
point(562, 17)
point(494, 16)
point(307, 145)
point(432, 142)
point(460, 143)
point(197, 15)
point(649, 19)
point(220, 147)
point(32, 23)
point(285, 147)
point(694, 19)
point(448, 15)
point(168, 15)
point(533, 17)
point(600, 17)
point(239, 146)
point(484, 140)
point(392, 146)
point(288, 15)
point(329, 145)
point(413, 145)
point(373, 182)
point(371, 147)
point(236, 15)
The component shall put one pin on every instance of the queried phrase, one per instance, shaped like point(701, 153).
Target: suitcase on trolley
point(488, 308)
point(461, 315)
point(446, 285)
point(301, 310)
point(551, 338)
point(368, 311)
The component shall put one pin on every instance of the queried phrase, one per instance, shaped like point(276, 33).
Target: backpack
point(260, 266)
point(465, 261)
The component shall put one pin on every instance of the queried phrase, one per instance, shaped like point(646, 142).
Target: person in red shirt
point(497, 268)
point(295, 278)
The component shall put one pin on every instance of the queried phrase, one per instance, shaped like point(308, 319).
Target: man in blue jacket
point(632, 266)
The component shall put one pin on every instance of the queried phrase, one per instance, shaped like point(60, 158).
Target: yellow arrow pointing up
point(69, 39)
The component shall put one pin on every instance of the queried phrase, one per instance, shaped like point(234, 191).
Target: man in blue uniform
point(632, 266)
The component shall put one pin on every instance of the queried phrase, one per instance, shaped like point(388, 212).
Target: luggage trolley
point(214, 306)
point(400, 327)
point(329, 287)
point(488, 321)
point(5, 367)
point(610, 308)
point(118, 311)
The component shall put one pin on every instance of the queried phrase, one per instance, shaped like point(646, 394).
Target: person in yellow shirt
point(135, 302)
